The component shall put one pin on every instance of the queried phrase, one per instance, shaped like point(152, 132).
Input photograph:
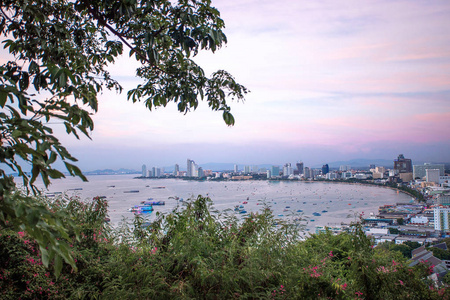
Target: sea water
point(335, 202)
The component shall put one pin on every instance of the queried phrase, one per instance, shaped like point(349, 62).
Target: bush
point(196, 253)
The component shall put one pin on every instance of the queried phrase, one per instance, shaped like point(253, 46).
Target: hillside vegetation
point(197, 253)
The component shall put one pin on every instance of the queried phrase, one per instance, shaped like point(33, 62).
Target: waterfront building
point(247, 169)
point(255, 169)
point(269, 173)
point(300, 168)
point(192, 168)
point(346, 175)
point(332, 176)
point(419, 171)
point(189, 168)
point(402, 164)
point(325, 169)
point(200, 172)
point(275, 171)
point(236, 169)
point(307, 172)
point(176, 170)
point(287, 169)
point(144, 171)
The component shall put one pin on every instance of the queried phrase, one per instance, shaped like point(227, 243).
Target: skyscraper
point(325, 169)
point(300, 168)
point(402, 164)
point(236, 168)
point(176, 170)
point(144, 171)
point(275, 171)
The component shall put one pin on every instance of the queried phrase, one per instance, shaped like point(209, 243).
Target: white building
point(419, 170)
point(441, 218)
point(144, 171)
point(432, 175)
point(444, 180)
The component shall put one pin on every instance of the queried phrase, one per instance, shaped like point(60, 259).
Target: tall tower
point(176, 170)
point(300, 168)
point(189, 168)
point(325, 169)
point(144, 171)
point(402, 164)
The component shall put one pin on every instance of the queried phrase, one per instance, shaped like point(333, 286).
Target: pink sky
point(330, 80)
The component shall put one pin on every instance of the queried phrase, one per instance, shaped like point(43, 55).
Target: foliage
point(197, 253)
point(60, 51)
point(440, 253)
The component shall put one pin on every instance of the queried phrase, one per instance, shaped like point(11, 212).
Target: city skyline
point(328, 81)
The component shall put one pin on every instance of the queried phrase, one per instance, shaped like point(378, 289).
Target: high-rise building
point(441, 218)
point(432, 175)
point(402, 164)
point(192, 168)
point(201, 174)
point(419, 170)
point(236, 169)
point(154, 172)
point(255, 169)
point(176, 169)
point(300, 168)
point(144, 171)
point(287, 169)
point(188, 168)
point(307, 172)
point(275, 171)
point(325, 169)
point(246, 169)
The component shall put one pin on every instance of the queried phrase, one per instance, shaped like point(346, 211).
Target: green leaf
point(58, 265)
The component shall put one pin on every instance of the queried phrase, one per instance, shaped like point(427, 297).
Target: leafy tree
point(60, 50)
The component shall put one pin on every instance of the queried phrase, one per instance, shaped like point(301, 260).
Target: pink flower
point(21, 234)
point(401, 282)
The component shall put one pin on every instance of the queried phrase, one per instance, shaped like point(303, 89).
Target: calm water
point(340, 201)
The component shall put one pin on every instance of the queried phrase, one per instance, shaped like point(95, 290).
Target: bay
point(335, 202)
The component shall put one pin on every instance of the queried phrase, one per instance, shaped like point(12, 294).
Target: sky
point(330, 80)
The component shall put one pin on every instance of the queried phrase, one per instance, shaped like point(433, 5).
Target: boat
point(324, 211)
point(316, 214)
point(141, 208)
point(299, 210)
point(153, 202)
point(242, 211)
point(159, 187)
point(131, 191)
point(76, 189)
point(288, 207)
point(245, 202)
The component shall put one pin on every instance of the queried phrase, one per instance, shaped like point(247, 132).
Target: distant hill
point(111, 172)
point(360, 163)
